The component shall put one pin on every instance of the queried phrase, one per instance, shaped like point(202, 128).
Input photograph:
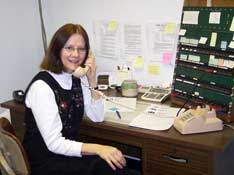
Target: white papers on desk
point(155, 117)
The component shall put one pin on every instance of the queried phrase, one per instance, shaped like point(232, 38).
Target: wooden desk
point(162, 153)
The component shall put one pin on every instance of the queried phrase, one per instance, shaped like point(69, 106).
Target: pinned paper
point(167, 57)
point(232, 25)
point(183, 57)
point(228, 64)
point(190, 17)
point(231, 64)
point(231, 44)
point(225, 63)
point(213, 60)
point(182, 32)
point(220, 62)
point(213, 39)
point(216, 62)
point(138, 62)
point(214, 17)
point(170, 27)
point(223, 45)
point(193, 42)
point(184, 40)
point(194, 58)
point(154, 69)
point(202, 40)
point(112, 25)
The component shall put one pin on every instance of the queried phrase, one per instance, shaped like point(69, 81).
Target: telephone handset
point(197, 121)
point(82, 70)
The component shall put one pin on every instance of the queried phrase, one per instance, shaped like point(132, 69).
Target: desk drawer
point(170, 159)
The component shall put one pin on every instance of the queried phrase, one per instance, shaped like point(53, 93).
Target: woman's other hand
point(112, 156)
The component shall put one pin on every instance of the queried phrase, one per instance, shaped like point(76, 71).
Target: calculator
point(156, 94)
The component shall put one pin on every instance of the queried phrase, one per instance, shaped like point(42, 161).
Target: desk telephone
point(197, 121)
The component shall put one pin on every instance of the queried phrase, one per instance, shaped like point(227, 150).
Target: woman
point(56, 100)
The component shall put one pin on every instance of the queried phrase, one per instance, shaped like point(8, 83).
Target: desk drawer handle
point(175, 159)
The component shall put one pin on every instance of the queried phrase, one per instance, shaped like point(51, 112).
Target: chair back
point(13, 158)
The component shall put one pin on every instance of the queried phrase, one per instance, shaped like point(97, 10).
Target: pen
point(118, 114)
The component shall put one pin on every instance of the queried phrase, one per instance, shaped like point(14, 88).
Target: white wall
point(86, 12)
point(60, 12)
point(21, 47)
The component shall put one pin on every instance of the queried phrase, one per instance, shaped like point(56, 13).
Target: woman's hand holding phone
point(80, 71)
point(88, 68)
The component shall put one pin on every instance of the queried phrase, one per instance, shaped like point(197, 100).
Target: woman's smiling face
point(73, 53)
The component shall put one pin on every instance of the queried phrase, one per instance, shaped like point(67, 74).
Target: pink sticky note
point(167, 57)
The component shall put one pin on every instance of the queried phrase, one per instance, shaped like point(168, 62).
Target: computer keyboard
point(156, 94)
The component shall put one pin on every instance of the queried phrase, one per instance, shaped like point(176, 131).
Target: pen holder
point(129, 88)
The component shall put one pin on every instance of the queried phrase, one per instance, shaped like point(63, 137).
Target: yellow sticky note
point(138, 62)
point(112, 25)
point(170, 27)
point(154, 69)
point(213, 39)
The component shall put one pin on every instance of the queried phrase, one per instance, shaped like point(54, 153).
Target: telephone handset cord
point(110, 99)
point(194, 88)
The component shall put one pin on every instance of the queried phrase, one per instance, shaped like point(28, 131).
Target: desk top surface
point(215, 141)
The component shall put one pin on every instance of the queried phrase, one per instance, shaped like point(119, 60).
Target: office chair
point(13, 159)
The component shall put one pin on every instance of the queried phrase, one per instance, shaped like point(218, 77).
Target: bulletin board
point(136, 35)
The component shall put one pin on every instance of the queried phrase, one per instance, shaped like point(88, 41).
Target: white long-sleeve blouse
point(41, 99)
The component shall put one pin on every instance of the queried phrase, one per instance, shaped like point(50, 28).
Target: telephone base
point(210, 128)
point(198, 121)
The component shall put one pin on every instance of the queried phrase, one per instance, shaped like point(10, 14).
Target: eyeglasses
point(73, 49)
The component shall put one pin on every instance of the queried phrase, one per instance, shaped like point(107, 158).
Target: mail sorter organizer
point(204, 71)
point(204, 32)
